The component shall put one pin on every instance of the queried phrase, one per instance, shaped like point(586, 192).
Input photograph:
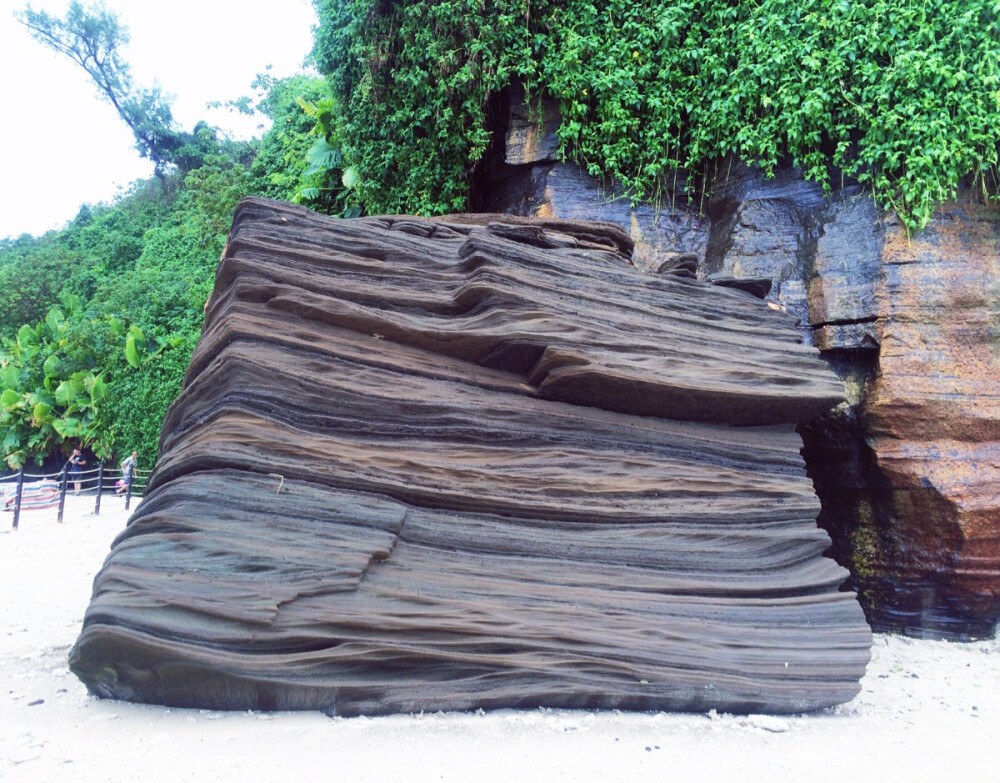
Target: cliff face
point(909, 470)
point(477, 462)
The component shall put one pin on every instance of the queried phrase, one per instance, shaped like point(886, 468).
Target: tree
point(91, 37)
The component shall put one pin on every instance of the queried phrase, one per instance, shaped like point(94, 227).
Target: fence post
point(17, 497)
point(62, 495)
point(100, 488)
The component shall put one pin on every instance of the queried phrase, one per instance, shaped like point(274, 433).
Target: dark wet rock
point(755, 286)
point(679, 265)
point(475, 462)
point(844, 275)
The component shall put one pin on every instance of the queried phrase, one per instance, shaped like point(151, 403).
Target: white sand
point(928, 711)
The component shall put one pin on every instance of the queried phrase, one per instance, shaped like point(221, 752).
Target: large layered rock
point(477, 462)
point(908, 473)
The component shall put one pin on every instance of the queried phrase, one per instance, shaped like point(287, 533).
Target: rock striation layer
point(477, 462)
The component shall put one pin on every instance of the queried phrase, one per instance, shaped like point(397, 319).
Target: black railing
point(37, 491)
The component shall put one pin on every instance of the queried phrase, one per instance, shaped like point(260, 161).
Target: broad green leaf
point(50, 365)
point(99, 391)
point(131, 355)
point(322, 156)
point(71, 302)
point(26, 336)
point(55, 319)
point(78, 382)
point(308, 108)
point(10, 441)
point(9, 398)
point(71, 425)
point(64, 393)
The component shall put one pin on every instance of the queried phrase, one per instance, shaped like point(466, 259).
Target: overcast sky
point(61, 145)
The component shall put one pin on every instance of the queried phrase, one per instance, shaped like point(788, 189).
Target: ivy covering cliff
point(902, 96)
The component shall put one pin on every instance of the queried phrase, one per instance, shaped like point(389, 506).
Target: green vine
point(903, 96)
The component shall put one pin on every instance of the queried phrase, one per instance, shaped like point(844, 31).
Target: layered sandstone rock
point(477, 462)
point(908, 473)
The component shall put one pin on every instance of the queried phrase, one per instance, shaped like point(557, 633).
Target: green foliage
point(101, 243)
point(903, 96)
point(211, 193)
point(326, 183)
point(53, 387)
point(278, 169)
point(137, 275)
point(413, 84)
point(142, 397)
point(299, 158)
point(32, 275)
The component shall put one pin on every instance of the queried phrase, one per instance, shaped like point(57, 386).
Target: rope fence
point(39, 491)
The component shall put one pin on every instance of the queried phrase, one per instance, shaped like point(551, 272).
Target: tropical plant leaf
point(55, 319)
point(67, 426)
point(350, 177)
point(78, 382)
point(9, 398)
point(64, 393)
point(131, 354)
point(99, 391)
point(51, 364)
point(26, 336)
point(10, 441)
point(41, 414)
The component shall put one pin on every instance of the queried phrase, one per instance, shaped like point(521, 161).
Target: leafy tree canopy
point(91, 37)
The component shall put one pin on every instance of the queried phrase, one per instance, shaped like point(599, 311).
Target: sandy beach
point(927, 710)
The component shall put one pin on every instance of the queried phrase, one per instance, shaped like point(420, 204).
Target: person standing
point(128, 472)
point(75, 464)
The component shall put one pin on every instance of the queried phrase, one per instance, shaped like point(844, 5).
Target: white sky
point(61, 145)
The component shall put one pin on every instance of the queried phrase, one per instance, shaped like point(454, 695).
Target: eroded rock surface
point(477, 462)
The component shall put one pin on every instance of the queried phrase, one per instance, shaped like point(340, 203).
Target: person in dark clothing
point(75, 464)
